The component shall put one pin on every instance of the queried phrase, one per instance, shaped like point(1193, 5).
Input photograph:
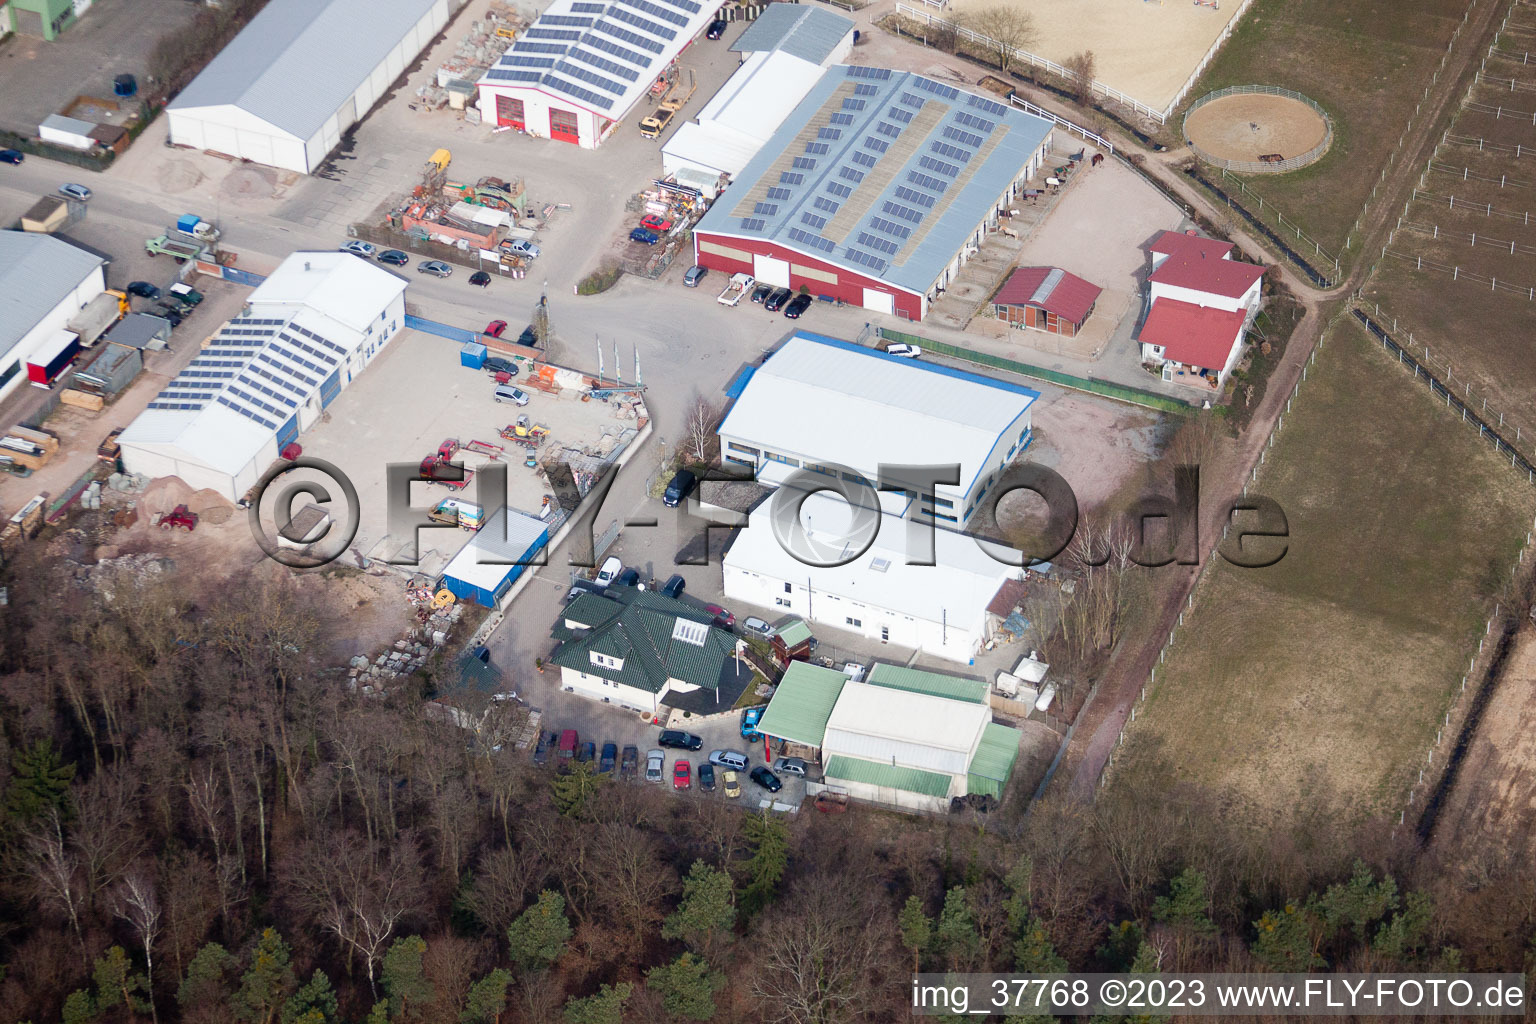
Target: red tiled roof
point(1009, 596)
point(1193, 335)
point(1200, 264)
point(1052, 289)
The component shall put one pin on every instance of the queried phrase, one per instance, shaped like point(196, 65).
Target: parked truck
point(193, 226)
point(181, 251)
point(677, 95)
point(739, 286)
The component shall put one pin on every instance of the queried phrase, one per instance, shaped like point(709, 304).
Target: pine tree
point(1017, 882)
point(405, 978)
point(1033, 951)
point(118, 985)
point(267, 983)
point(1359, 902)
point(80, 1008)
point(1405, 936)
point(538, 936)
point(686, 986)
point(487, 999)
point(768, 839)
point(39, 782)
point(1287, 939)
point(314, 1003)
point(379, 1014)
point(605, 1006)
point(1186, 906)
point(574, 787)
point(707, 911)
point(958, 938)
point(916, 929)
point(208, 978)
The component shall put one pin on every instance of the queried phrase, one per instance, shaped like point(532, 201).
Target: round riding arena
point(1258, 129)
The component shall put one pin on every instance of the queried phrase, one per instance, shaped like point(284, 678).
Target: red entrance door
point(562, 125)
point(509, 111)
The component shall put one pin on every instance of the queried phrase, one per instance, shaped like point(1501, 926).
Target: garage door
point(28, 23)
point(879, 302)
point(563, 125)
point(771, 271)
point(221, 139)
point(509, 112)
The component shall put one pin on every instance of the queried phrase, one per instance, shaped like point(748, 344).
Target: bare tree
point(1008, 29)
point(1082, 68)
point(699, 428)
point(136, 902)
point(636, 880)
point(820, 956)
point(53, 870)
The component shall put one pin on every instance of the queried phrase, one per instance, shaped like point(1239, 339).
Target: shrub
point(601, 279)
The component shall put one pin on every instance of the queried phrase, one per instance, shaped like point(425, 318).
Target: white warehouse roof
point(505, 538)
point(904, 728)
point(741, 118)
point(859, 407)
point(603, 56)
point(37, 272)
point(298, 61)
point(809, 33)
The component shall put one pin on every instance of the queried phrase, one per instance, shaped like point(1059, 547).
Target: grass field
point(1322, 679)
point(1365, 61)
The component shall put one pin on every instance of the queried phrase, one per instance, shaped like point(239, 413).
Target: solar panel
point(552, 33)
point(767, 208)
point(644, 42)
point(884, 245)
point(987, 106)
point(953, 152)
point(964, 138)
point(792, 178)
point(572, 89)
point(753, 224)
point(524, 61)
point(864, 159)
point(906, 213)
point(927, 181)
point(503, 75)
point(665, 14)
point(948, 170)
point(807, 238)
point(911, 99)
point(861, 71)
point(534, 48)
point(805, 163)
point(852, 174)
point(838, 189)
point(608, 46)
point(818, 148)
point(830, 133)
point(592, 77)
point(567, 21)
point(628, 74)
point(866, 90)
point(979, 123)
point(890, 227)
point(815, 221)
point(878, 145)
point(937, 88)
point(852, 104)
point(901, 114)
point(863, 258)
point(248, 414)
point(911, 195)
point(779, 193)
point(823, 203)
point(659, 31)
point(842, 119)
point(589, 8)
point(886, 128)
point(684, 5)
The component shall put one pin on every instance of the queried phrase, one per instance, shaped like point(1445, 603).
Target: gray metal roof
point(809, 33)
point(885, 173)
point(297, 61)
point(140, 330)
point(37, 272)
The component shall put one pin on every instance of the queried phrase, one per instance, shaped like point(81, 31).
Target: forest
point(202, 823)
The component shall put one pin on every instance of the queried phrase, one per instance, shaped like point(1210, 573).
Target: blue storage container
point(472, 354)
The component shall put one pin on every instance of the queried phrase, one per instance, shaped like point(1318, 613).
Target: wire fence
point(1482, 145)
point(1311, 156)
point(1290, 227)
point(1455, 202)
point(1512, 84)
point(1465, 174)
point(1460, 273)
point(1500, 113)
point(1470, 237)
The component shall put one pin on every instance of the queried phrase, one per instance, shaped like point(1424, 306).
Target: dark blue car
point(644, 236)
point(609, 756)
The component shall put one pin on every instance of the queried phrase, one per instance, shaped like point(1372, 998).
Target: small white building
point(299, 75)
point(1200, 304)
point(44, 283)
point(818, 403)
point(70, 132)
point(269, 373)
point(583, 67)
point(887, 592)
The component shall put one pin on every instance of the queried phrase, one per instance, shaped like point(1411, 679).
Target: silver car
point(79, 192)
point(655, 763)
point(437, 268)
point(360, 248)
point(732, 759)
point(790, 766)
point(521, 247)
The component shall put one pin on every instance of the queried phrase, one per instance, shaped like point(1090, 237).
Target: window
point(855, 623)
point(733, 446)
point(782, 602)
point(789, 588)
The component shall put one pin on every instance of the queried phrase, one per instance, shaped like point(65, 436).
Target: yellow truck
point(678, 95)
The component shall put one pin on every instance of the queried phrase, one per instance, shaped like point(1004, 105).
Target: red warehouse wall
point(849, 287)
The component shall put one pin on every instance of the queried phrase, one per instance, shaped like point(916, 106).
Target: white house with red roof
point(1201, 302)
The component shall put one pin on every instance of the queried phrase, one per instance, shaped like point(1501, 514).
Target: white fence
point(1093, 137)
point(1210, 55)
point(1259, 166)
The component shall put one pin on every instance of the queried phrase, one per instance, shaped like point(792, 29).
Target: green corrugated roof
point(935, 684)
point(913, 780)
point(794, 633)
point(993, 763)
point(802, 704)
point(636, 626)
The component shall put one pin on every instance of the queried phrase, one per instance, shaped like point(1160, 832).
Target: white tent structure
point(268, 374)
point(299, 75)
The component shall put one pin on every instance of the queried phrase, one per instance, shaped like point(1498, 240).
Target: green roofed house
point(638, 649)
point(44, 19)
point(907, 738)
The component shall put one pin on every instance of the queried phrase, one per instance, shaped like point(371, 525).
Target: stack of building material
point(31, 448)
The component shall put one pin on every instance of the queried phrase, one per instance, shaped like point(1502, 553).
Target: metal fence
point(1472, 238)
point(1311, 156)
point(1120, 392)
point(1455, 202)
point(1041, 112)
point(1210, 55)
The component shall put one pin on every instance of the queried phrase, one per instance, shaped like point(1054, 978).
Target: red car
point(722, 617)
point(495, 327)
point(654, 223)
point(682, 774)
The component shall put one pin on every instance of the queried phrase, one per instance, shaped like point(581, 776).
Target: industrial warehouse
point(44, 283)
point(875, 190)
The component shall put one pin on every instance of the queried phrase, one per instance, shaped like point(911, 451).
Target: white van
point(609, 571)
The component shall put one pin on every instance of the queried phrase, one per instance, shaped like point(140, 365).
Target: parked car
point(608, 571)
point(358, 247)
point(707, 778)
point(749, 719)
point(655, 761)
point(480, 279)
point(753, 624)
point(651, 222)
point(521, 247)
point(674, 586)
point(775, 302)
point(167, 312)
point(792, 766)
point(569, 741)
point(627, 578)
point(79, 192)
point(529, 338)
point(587, 752)
point(437, 268)
point(694, 276)
point(644, 236)
point(143, 289)
point(609, 757)
point(628, 762)
point(394, 258)
point(730, 786)
point(508, 393)
point(765, 778)
point(905, 351)
point(679, 488)
point(171, 300)
point(546, 743)
point(11, 156)
point(716, 29)
point(799, 304)
point(679, 740)
point(761, 292)
point(496, 364)
point(682, 774)
point(723, 618)
point(185, 293)
point(733, 760)
point(494, 328)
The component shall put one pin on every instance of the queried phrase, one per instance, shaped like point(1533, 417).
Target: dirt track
point(1247, 126)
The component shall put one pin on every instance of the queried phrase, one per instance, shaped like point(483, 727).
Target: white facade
point(312, 327)
point(939, 608)
point(299, 75)
point(595, 687)
point(1248, 302)
point(44, 283)
point(70, 132)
